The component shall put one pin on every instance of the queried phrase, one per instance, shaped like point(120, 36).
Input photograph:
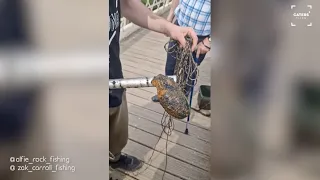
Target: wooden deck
point(143, 54)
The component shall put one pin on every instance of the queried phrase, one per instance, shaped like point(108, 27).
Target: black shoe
point(127, 163)
point(155, 98)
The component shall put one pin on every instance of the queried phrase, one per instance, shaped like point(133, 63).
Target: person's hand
point(178, 33)
point(201, 48)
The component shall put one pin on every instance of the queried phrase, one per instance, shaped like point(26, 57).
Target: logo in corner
point(301, 15)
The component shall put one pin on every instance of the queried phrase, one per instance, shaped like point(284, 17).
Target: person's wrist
point(206, 42)
point(166, 28)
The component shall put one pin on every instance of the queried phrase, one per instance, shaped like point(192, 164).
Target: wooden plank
point(156, 40)
point(152, 45)
point(148, 91)
point(127, 73)
point(147, 64)
point(199, 133)
point(143, 68)
point(140, 72)
point(174, 167)
point(195, 118)
point(155, 59)
point(118, 175)
point(150, 42)
point(148, 33)
point(157, 49)
point(145, 40)
point(151, 34)
point(145, 173)
point(142, 58)
point(177, 151)
point(156, 36)
point(184, 140)
point(143, 51)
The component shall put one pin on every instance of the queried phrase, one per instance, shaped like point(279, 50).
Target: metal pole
point(133, 82)
point(190, 101)
point(20, 72)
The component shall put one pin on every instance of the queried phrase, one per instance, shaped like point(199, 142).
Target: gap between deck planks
point(118, 175)
point(174, 166)
point(152, 58)
point(184, 140)
point(149, 173)
point(178, 126)
point(182, 153)
point(196, 119)
point(147, 64)
point(178, 152)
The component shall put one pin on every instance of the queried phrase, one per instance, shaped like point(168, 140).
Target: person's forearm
point(140, 15)
point(174, 5)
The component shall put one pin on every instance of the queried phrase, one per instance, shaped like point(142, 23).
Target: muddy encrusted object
point(171, 97)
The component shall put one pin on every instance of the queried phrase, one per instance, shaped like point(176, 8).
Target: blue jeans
point(171, 62)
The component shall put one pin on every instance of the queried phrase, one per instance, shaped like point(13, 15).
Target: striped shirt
point(195, 14)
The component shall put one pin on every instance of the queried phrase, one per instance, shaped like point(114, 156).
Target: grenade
point(171, 97)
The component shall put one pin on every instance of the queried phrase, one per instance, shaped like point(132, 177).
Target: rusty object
point(171, 97)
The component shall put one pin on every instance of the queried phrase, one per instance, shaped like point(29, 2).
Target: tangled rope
point(167, 128)
point(186, 70)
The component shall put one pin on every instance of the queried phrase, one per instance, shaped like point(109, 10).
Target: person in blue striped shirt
point(197, 15)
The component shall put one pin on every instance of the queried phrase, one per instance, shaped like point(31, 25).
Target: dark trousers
point(15, 113)
point(171, 62)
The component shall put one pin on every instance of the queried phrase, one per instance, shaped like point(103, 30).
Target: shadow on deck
point(143, 54)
